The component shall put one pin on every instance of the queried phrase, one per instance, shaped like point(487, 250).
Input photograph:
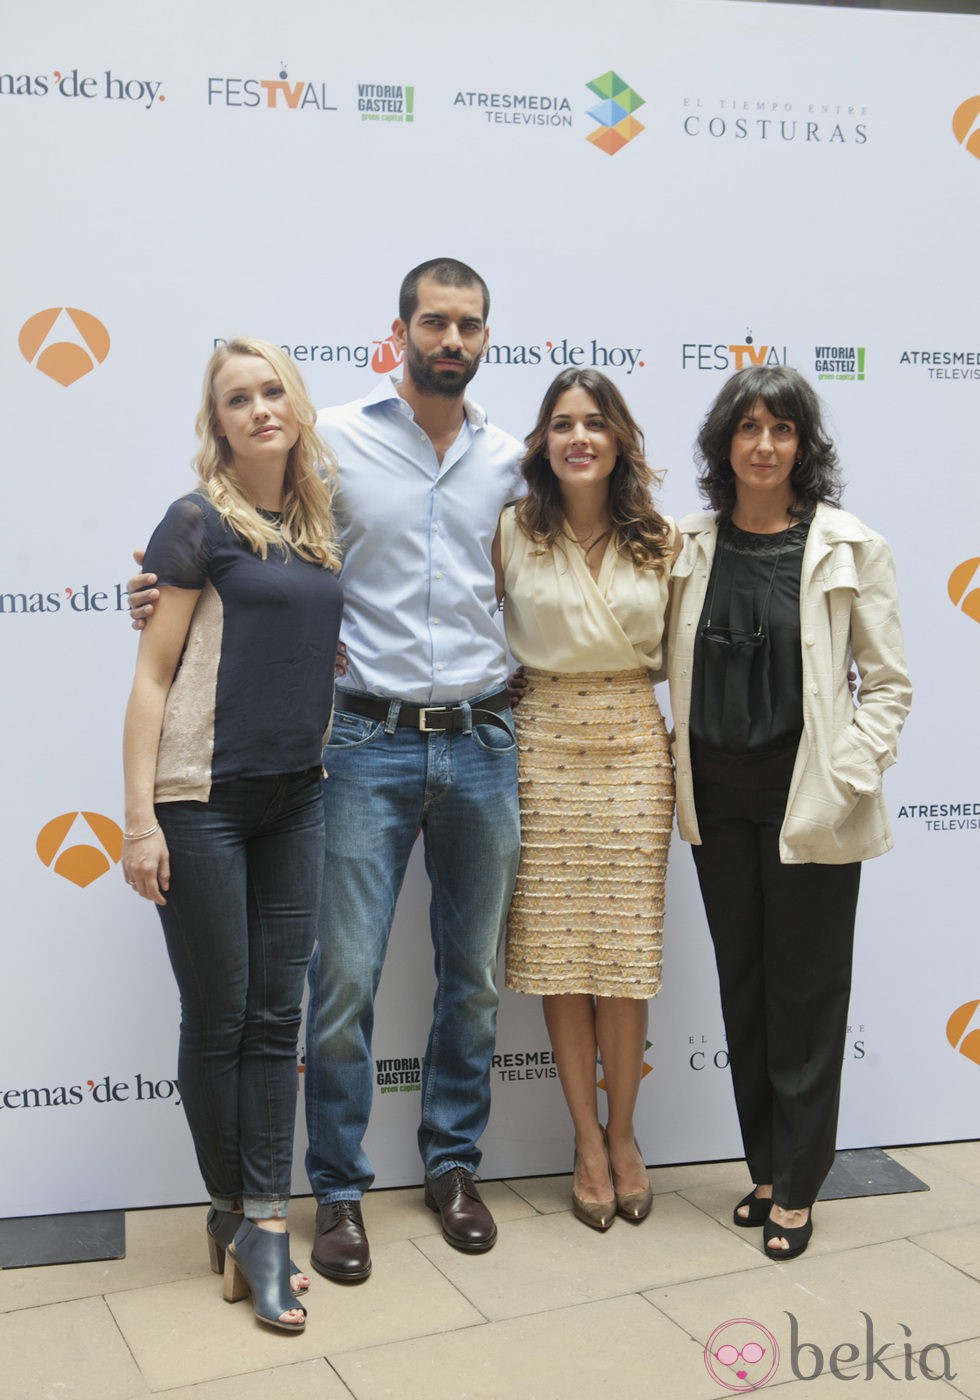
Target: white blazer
point(835, 812)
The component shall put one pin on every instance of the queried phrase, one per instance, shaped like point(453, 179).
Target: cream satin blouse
point(559, 618)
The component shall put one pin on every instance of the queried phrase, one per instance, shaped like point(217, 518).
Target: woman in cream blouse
point(583, 563)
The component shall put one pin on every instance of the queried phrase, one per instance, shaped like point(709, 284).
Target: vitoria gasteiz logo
point(43, 345)
point(966, 125)
point(65, 845)
point(614, 113)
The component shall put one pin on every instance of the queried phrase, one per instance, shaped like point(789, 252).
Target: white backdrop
point(798, 183)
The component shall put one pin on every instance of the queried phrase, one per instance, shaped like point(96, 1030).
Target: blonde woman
point(224, 817)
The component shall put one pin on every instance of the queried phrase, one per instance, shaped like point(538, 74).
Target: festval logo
point(967, 599)
point(968, 1044)
point(741, 1354)
point(70, 853)
point(63, 360)
point(387, 356)
point(966, 125)
point(249, 92)
point(614, 113)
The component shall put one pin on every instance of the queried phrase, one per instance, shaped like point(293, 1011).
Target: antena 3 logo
point(299, 95)
point(110, 88)
point(962, 588)
point(966, 125)
point(64, 844)
point(966, 1042)
point(64, 361)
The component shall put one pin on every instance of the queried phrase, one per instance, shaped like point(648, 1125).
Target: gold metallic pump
point(597, 1214)
point(634, 1206)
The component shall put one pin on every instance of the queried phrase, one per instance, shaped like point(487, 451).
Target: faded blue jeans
point(385, 784)
point(240, 921)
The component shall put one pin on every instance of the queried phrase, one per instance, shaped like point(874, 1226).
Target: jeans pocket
point(493, 738)
point(351, 731)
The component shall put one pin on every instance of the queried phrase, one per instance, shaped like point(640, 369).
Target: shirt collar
point(386, 392)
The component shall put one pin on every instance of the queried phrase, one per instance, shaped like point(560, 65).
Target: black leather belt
point(429, 719)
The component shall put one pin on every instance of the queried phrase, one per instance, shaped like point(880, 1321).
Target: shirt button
point(438, 573)
point(814, 689)
point(440, 665)
point(809, 640)
point(435, 622)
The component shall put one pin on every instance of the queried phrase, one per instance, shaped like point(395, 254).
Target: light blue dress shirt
point(420, 611)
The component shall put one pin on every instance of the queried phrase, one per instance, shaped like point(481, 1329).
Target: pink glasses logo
point(741, 1354)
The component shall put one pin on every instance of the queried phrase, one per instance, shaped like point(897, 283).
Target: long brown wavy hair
point(639, 531)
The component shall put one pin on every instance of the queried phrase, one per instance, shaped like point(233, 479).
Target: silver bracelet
point(139, 835)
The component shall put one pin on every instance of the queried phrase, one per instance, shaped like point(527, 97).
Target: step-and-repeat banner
point(666, 191)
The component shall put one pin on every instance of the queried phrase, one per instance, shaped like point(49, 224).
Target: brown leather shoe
point(340, 1249)
point(466, 1222)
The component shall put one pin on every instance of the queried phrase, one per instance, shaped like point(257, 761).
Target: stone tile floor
point(888, 1294)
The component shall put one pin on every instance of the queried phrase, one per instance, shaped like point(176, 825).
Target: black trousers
point(783, 937)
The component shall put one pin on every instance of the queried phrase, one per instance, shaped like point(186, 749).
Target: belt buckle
point(425, 711)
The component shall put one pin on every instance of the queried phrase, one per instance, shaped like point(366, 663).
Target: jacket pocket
point(852, 765)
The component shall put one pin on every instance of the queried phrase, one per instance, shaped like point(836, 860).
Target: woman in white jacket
point(778, 771)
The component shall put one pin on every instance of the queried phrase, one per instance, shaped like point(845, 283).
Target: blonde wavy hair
point(308, 525)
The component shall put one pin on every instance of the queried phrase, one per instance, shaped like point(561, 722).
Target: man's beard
point(449, 383)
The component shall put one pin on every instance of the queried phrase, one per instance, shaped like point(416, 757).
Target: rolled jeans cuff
point(230, 1204)
point(266, 1207)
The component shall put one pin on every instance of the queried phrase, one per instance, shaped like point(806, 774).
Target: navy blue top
point(253, 693)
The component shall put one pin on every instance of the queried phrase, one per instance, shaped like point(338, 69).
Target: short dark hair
point(449, 272)
point(786, 394)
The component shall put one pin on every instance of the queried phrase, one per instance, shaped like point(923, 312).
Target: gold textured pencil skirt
point(597, 805)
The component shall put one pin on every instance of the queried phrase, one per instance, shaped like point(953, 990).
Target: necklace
point(757, 637)
point(587, 545)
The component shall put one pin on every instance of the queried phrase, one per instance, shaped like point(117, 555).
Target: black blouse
point(254, 690)
point(747, 694)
